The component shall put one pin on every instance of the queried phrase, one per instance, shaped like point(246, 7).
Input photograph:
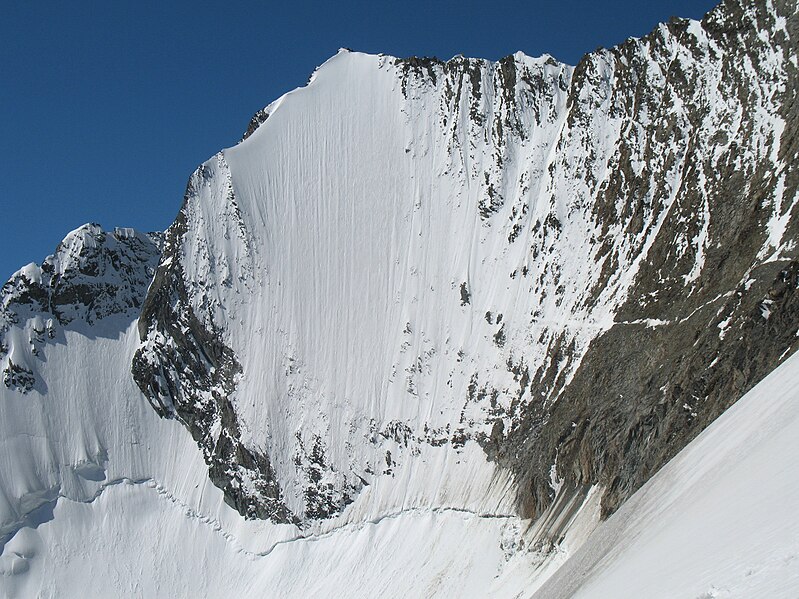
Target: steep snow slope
point(413, 258)
point(154, 525)
point(79, 426)
point(178, 553)
point(102, 498)
point(348, 305)
point(82, 425)
point(719, 520)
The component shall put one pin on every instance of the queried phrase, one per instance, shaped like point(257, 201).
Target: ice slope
point(718, 521)
point(369, 318)
point(100, 497)
point(409, 257)
point(135, 541)
point(105, 499)
point(374, 310)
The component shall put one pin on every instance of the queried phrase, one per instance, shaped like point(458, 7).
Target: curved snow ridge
point(444, 553)
point(218, 527)
point(189, 511)
point(32, 504)
point(385, 61)
point(41, 504)
point(149, 483)
point(357, 526)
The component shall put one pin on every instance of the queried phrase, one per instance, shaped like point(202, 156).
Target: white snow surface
point(381, 302)
point(718, 521)
point(360, 320)
point(378, 313)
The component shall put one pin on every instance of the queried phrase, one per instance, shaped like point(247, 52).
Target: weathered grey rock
point(685, 345)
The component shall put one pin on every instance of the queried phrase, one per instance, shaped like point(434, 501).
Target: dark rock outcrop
point(187, 372)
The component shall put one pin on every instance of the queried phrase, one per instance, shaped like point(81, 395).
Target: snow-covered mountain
point(421, 330)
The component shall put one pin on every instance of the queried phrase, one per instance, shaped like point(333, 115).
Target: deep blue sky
point(107, 107)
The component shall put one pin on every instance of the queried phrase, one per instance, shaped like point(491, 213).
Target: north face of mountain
point(572, 270)
point(435, 328)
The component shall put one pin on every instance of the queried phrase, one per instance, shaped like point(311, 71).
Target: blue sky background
point(107, 107)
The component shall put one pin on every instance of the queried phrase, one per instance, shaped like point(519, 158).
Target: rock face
point(706, 146)
point(577, 269)
point(713, 306)
point(94, 277)
point(191, 374)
